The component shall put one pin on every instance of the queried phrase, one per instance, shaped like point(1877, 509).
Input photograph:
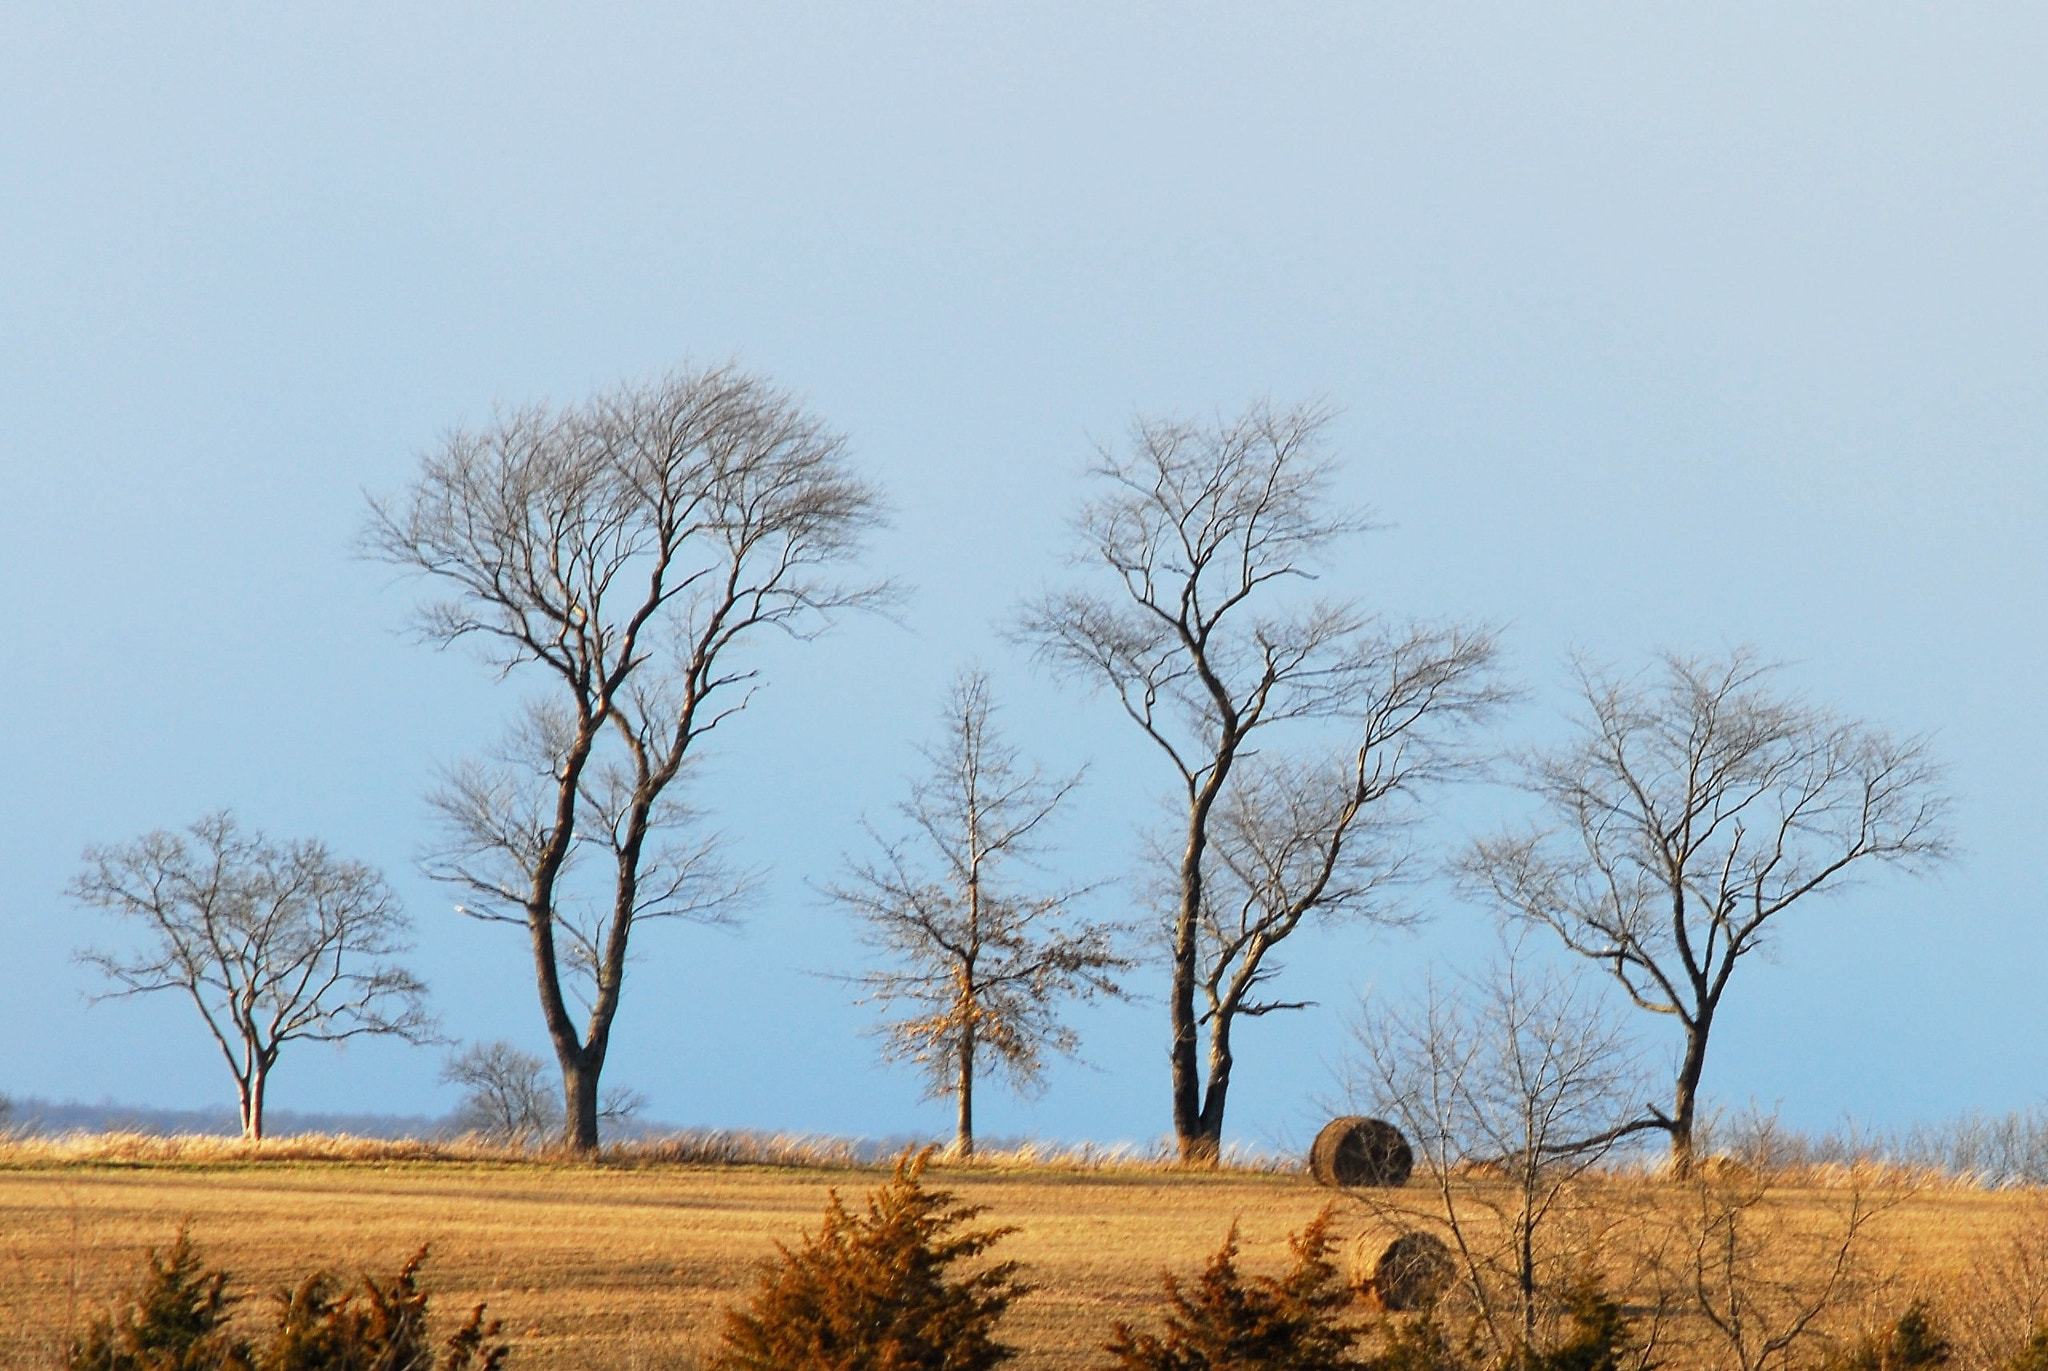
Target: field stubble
point(626, 1265)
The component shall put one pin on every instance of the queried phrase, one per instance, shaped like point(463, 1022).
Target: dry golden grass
point(716, 1147)
point(625, 1263)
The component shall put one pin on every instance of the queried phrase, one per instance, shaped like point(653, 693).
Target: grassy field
point(603, 1268)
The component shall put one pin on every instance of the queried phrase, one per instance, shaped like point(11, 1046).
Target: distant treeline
point(1993, 1150)
point(42, 1117)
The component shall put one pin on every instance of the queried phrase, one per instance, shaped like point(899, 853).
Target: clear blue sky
point(1649, 326)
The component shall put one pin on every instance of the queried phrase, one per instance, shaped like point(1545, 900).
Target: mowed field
point(607, 1268)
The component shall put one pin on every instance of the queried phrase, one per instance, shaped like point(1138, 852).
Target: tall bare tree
point(981, 966)
point(624, 553)
point(272, 942)
point(1201, 529)
point(1695, 806)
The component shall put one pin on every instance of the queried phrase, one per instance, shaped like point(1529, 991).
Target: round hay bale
point(1355, 1150)
point(1412, 1272)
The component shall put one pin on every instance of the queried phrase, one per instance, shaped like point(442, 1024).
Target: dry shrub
point(875, 1292)
point(178, 1320)
point(378, 1326)
point(2000, 1300)
point(1223, 1321)
point(1764, 1284)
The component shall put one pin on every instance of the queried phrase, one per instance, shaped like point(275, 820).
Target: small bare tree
point(272, 942)
point(982, 966)
point(505, 1097)
point(1764, 1274)
point(1200, 529)
point(1693, 809)
point(1510, 1089)
point(625, 552)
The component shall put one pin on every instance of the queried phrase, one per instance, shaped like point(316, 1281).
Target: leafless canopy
point(1209, 535)
point(505, 1095)
point(620, 554)
point(1695, 806)
point(979, 967)
point(272, 943)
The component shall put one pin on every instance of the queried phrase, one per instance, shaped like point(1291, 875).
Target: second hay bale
point(1357, 1151)
point(1411, 1272)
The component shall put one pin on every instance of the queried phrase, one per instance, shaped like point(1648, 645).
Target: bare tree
point(1201, 529)
point(272, 942)
point(623, 552)
point(1764, 1274)
point(982, 966)
point(505, 1094)
point(1510, 1088)
point(1694, 807)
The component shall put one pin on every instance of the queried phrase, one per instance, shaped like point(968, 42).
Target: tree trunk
point(1197, 1144)
point(1685, 1099)
point(1525, 1273)
point(1196, 1148)
point(1187, 1081)
point(252, 1091)
point(963, 1136)
point(579, 1104)
point(1204, 1146)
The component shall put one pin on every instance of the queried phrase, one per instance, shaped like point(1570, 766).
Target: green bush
point(1912, 1344)
point(874, 1291)
point(178, 1321)
point(1228, 1323)
point(1599, 1334)
point(2033, 1356)
point(1420, 1344)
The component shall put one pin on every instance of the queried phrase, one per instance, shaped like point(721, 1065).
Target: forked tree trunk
point(1204, 1146)
point(250, 1087)
point(252, 1091)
